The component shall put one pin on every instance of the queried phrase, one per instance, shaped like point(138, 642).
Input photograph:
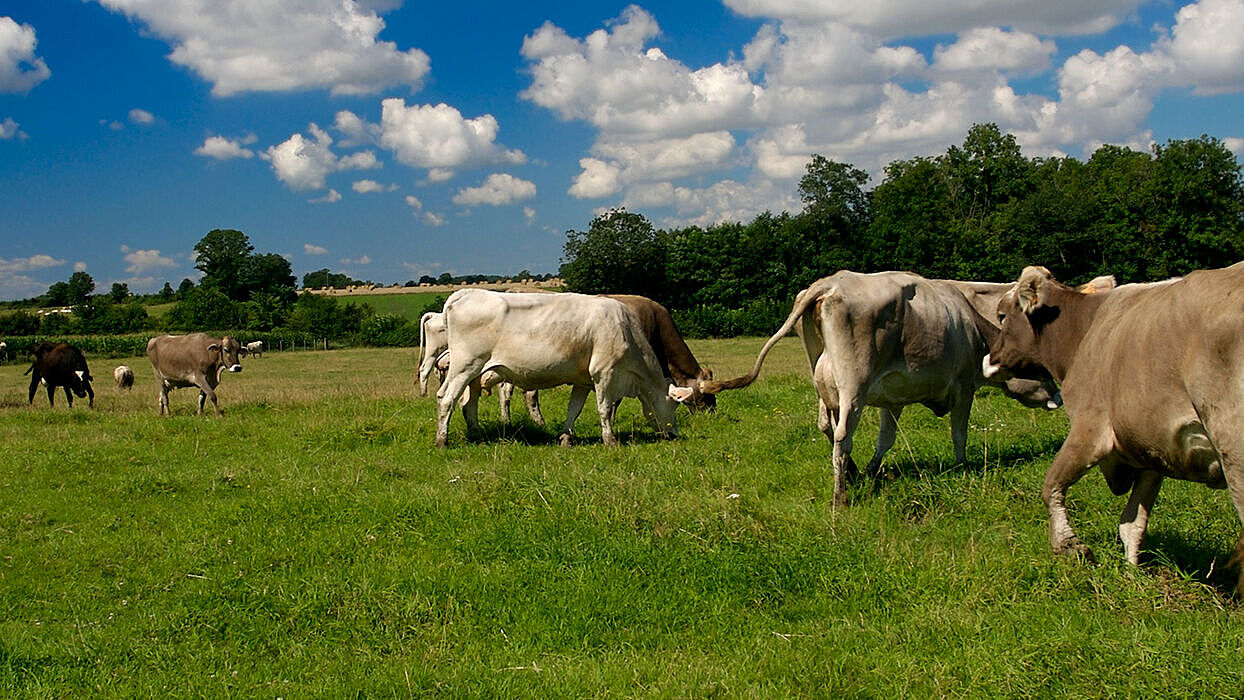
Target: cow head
point(1024, 316)
point(230, 354)
point(698, 399)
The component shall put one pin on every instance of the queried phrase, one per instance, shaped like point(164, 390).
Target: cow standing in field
point(255, 348)
point(61, 365)
point(1152, 376)
point(539, 341)
point(124, 377)
point(891, 339)
point(434, 355)
point(196, 360)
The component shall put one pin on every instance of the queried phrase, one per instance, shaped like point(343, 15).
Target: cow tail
point(423, 344)
point(802, 301)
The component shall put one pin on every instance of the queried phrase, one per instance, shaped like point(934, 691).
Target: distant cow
point(124, 377)
point(61, 365)
point(540, 341)
point(255, 348)
point(891, 339)
point(196, 360)
point(1152, 376)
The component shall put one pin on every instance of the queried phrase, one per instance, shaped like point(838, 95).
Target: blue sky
point(388, 140)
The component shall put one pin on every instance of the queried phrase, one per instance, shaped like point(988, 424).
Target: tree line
point(979, 211)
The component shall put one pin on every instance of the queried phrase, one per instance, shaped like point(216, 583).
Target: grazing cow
point(890, 339)
point(255, 348)
point(124, 377)
point(434, 355)
point(62, 365)
point(540, 341)
point(1151, 374)
point(4, 351)
point(196, 360)
point(678, 364)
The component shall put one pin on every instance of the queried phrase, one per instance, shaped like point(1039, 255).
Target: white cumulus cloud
point(223, 148)
point(10, 129)
point(498, 189)
point(275, 45)
point(20, 68)
point(368, 186)
point(305, 163)
point(439, 138)
point(312, 249)
point(141, 261)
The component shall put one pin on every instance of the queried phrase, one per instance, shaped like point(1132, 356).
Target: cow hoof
point(1073, 547)
point(564, 441)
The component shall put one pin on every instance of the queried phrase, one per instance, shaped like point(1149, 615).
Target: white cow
point(255, 348)
point(434, 355)
point(124, 377)
point(539, 341)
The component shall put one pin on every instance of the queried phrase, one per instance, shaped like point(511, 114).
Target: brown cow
point(672, 352)
point(891, 339)
point(61, 365)
point(1151, 376)
point(195, 360)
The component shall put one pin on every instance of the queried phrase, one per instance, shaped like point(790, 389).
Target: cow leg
point(34, 384)
point(1073, 460)
point(959, 414)
point(164, 389)
point(1135, 516)
point(470, 407)
point(533, 406)
point(886, 435)
point(447, 396)
point(68, 395)
point(578, 397)
point(90, 393)
point(505, 392)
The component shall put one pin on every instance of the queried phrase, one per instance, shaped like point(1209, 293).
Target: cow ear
point(213, 347)
point(1097, 285)
point(1031, 289)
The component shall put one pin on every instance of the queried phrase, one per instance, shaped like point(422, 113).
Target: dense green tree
point(205, 309)
point(221, 256)
point(119, 292)
point(184, 289)
point(166, 292)
point(324, 278)
point(322, 315)
point(268, 275)
point(620, 253)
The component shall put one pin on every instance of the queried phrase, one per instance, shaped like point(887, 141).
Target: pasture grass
point(313, 543)
point(405, 305)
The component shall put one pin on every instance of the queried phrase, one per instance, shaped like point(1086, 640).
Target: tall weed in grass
point(312, 542)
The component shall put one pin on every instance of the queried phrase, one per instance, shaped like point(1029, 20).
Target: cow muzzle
point(235, 368)
point(991, 370)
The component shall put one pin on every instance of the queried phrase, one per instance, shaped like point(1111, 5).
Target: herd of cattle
point(1151, 375)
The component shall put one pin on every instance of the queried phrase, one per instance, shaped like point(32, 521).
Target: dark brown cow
point(196, 360)
point(61, 365)
point(1151, 375)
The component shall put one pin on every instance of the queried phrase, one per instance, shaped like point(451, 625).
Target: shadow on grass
point(532, 434)
point(1176, 555)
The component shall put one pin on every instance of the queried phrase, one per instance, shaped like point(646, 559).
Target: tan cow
point(1152, 377)
point(890, 339)
point(196, 360)
point(540, 341)
point(124, 377)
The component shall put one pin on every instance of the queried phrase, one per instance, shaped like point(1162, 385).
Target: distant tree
point(77, 289)
point(322, 315)
point(427, 279)
point(324, 278)
point(57, 294)
point(620, 252)
point(221, 256)
point(184, 289)
point(166, 292)
point(204, 309)
point(267, 275)
point(445, 278)
point(834, 197)
point(120, 292)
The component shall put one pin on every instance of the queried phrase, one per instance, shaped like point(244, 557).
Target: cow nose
point(235, 368)
point(1056, 401)
point(988, 367)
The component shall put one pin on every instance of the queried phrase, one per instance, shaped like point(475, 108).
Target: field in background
point(407, 306)
point(312, 542)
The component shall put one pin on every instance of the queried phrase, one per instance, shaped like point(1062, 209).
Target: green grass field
point(404, 305)
point(313, 543)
